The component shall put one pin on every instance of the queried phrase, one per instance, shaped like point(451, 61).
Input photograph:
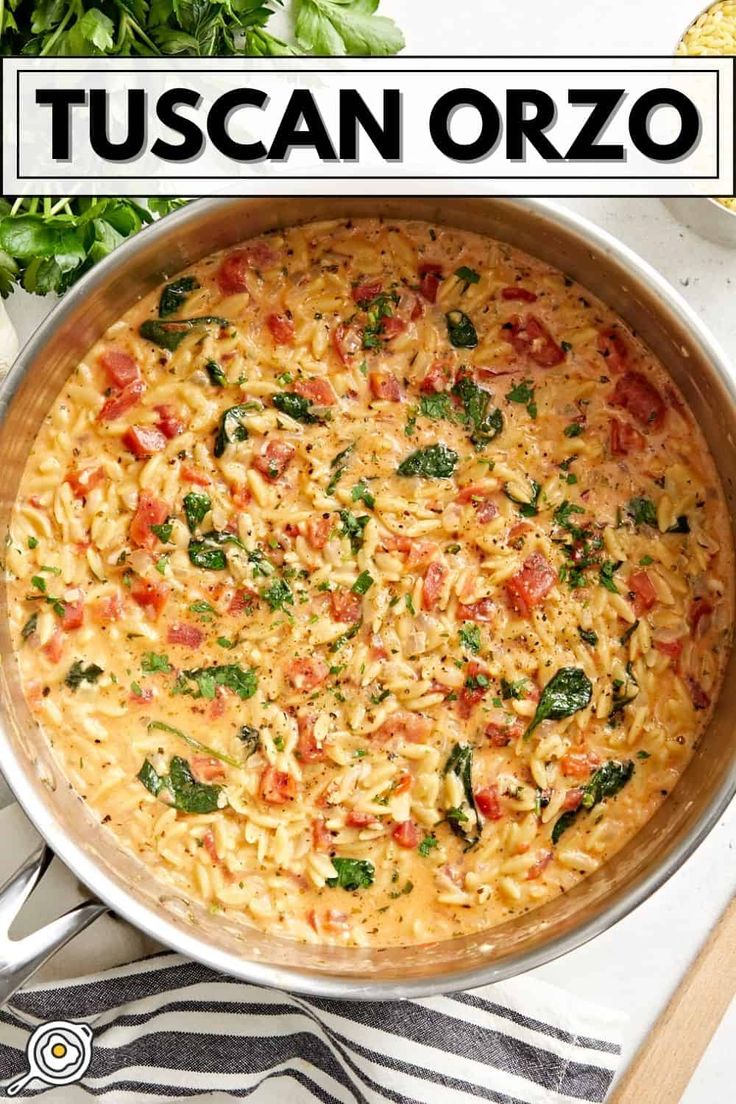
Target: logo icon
point(58, 1052)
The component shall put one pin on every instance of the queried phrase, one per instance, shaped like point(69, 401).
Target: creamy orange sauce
point(383, 601)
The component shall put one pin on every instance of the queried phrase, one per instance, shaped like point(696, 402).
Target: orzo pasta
point(371, 581)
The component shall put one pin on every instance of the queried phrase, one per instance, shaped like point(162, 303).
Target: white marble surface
point(636, 965)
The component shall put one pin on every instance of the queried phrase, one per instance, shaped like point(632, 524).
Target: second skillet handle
point(20, 958)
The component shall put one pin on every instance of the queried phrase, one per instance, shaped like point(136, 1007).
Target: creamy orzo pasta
point(372, 581)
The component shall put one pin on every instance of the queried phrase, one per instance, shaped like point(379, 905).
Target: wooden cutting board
point(661, 1069)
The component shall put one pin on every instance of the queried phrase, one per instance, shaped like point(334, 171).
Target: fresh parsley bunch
point(47, 244)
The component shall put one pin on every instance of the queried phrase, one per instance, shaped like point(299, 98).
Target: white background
point(636, 965)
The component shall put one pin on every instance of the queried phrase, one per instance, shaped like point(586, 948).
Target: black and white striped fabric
point(169, 1029)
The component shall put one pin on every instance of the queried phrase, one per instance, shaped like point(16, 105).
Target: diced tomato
point(307, 674)
point(485, 507)
point(206, 768)
point(121, 401)
point(699, 697)
point(530, 586)
point(330, 922)
point(384, 385)
point(73, 615)
point(217, 705)
point(517, 532)
point(378, 648)
point(522, 295)
point(530, 337)
point(345, 606)
point(482, 610)
point(193, 475)
point(321, 836)
point(82, 482)
point(572, 799)
point(489, 803)
point(188, 635)
point(612, 346)
point(120, 367)
point(538, 868)
point(393, 325)
point(579, 764)
point(142, 696)
point(635, 393)
point(700, 611)
point(671, 648)
point(307, 749)
point(318, 391)
point(281, 328)
point(355, 819)
point(645, 595)
point(404, 782)
point(475, 689)
point(108, 609)
point(169, 422)
point(430, 276)
point(53, 649)
point(418, 553)
point(150, 596)
point(277, 787)
point(149, 511)
point(347, 341)
point(625, 439)
point(143, 441)
point(432, 585)
point(440, 376)
point(232, 275)
point(365, 292)
point(244, 601)
point(208, 842)
point(406, 834)
point(501, 735)
point(318, 530)
point(405, 725)
point(472, 492)
point(274, 459)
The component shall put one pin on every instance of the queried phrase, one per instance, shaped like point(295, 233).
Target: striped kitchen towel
point(166, 1028)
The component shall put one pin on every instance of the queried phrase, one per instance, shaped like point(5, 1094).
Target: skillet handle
point(20, 958)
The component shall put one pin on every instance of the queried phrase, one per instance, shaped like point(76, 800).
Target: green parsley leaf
point(337, 27)
point(470, 637)
point(352, 874)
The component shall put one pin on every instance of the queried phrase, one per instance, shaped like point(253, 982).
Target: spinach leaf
point(231, 427)
point(486, 421)
point(163, 531)
point(353, 527)
point(466, 824)
point(196, 507)
point(338, 467)
point(606, 782)
point(360, 493)
point(461, 330)
point(363, 583)
point(566, 693)
point(468, 276)
point(642, 511)
point(216, 374)
point(606, 573)
point(437, 406)
point(207, 551)
point(352, 874)
point(296, 407)
point(251, 739)
point(624, 692)
point(175, 295)
point(427, 845)
point(530, 508)
point(433, 462)
point(153, 664)
point(588, 636)
point(681, 525)
point(161, 726)
point(207, 679)
point(513, 690)
point(78, 674)
point(169, 335)
point(185, 793)
point(30, 626)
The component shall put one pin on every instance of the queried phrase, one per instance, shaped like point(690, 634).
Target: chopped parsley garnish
point(206, 680)
point(377, 309)
point(360, 493)
point(352, 874)
point(153, 664)
point(524, 394)
point(278, 595)
point(352, 527)
point(470, 637)
point(338, 467)
point(606, 574)
point(427, 845)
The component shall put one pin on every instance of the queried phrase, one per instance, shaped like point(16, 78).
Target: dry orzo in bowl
point(372, 582)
